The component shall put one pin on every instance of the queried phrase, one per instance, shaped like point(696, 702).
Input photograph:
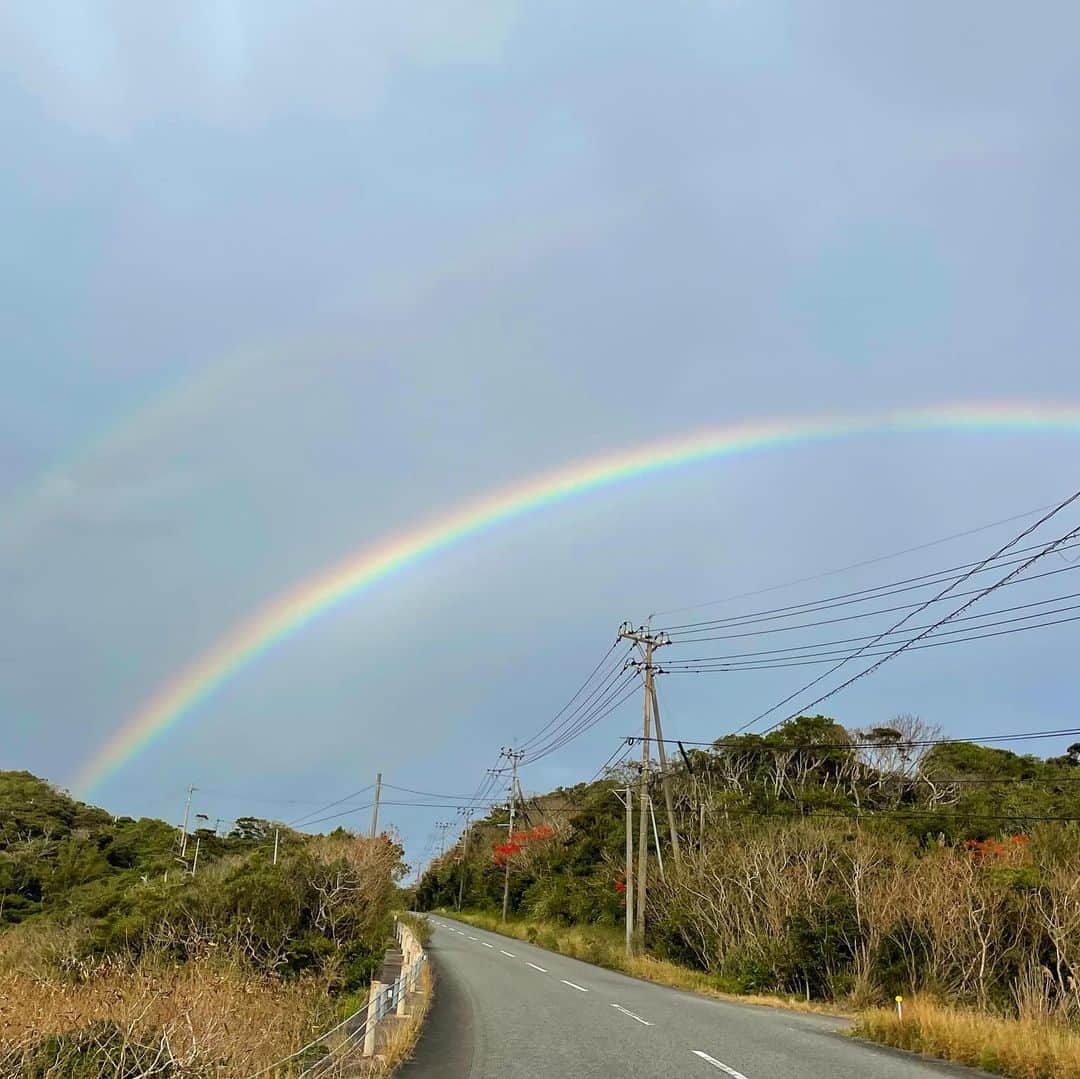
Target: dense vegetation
point(112, 945)
point(835, 864)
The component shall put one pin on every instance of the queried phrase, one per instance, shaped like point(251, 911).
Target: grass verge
point(401, 1042)
point(1020, 1048)
point(604, 947)
point(187, 1021)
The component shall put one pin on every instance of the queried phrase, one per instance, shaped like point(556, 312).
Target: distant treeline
point(822, 861)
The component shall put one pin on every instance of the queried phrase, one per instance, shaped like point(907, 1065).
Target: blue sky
point(281, 280)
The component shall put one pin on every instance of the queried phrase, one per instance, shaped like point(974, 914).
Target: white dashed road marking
point(486, 945)
point(474, 938)
point(511, 954)
point(625, 1011)
point(718, 1064)
point(535, 967)
point(579, 988)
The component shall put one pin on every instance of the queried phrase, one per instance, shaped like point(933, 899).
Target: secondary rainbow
point(290, 612)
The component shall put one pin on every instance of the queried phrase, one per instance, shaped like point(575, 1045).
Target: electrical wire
point(581, 689)
point(622, 751)
point(854, 565)
point(429, 794)
point(866, 614)
point(728, 742)
point(796, 661)
point(329, 805)
point(868, 636)
point(860, 595)
point(586, 720)
point(619, 693)
point(1013, 573)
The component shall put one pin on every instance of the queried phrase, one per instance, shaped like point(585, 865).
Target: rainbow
point(295, 609)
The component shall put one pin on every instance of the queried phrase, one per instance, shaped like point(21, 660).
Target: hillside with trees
point(829, 864)
point(119, 957)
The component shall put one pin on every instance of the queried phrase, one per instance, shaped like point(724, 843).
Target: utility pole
point(375, 810)
point(662, 751)
point(656, 837)
point(195, 860)
point(648, 642)
point(515, 756)
point(183, 829)
point(443, 826)
point(277, 836)
point(626, 796)
point(464, 857)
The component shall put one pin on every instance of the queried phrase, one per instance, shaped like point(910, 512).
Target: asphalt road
point(504, 1009)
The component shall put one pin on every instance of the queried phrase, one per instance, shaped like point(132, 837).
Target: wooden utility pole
point(626, 796)
point(375, 810)
point(514, 756)
point(648, 642)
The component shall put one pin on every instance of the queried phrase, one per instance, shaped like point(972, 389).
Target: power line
point(618, 695)
point(905, 584)
point(945, 591)
point(413, 805)
point(868, 636)
point(796, 661)
point(800, 812)
point(729, 742)
point(330, 805)
point(622, 750)
point(852, 566)
point(694, 636)
point(581, 689)
point(430, 794)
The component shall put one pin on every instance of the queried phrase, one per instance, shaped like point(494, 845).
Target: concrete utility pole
point(375, 810)
point(464, 857)
point(656, 837)
point(183, 829)
point(660, 749)
point(626, 796)
point(195, 860)
point(514, 756)
point(277, 836)
point(648, 642)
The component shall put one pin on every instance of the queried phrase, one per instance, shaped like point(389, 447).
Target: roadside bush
point(103, 1048)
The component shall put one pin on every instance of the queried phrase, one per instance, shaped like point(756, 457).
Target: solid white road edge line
point(626, 1011)
point(579, 988)
point(718, 1064)
point(511, 954)
point(535, 967)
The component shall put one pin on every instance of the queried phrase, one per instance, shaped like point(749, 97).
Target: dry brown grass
point(402, 1040)
point(1036, 1048)
point(207, 1016)
point(592, 944)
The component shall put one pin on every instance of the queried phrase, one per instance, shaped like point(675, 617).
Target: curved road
point(504, 1009)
